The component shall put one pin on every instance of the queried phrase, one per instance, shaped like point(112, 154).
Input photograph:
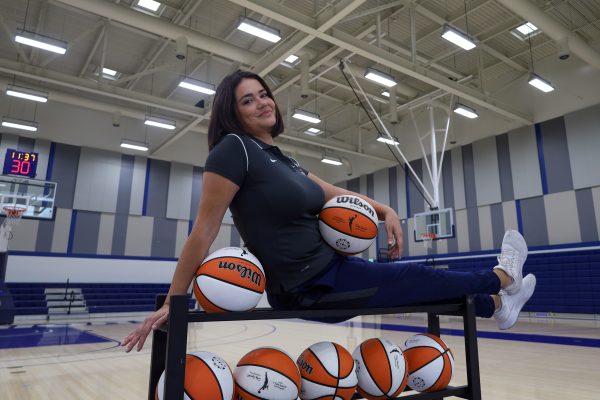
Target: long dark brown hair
point(224, 118)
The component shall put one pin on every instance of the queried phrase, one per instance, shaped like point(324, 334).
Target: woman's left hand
point(394, 234)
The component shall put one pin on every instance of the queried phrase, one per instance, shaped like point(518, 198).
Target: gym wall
point(542, 179)
point(121, 208)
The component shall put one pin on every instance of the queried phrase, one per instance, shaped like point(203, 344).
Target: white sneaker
point(506, 316)
point(512, 258)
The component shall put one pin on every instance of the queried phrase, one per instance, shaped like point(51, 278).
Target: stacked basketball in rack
point(377, 369)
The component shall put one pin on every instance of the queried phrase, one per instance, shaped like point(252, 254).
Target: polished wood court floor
point(544, 359)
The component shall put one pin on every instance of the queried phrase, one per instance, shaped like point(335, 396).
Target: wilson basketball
point(230, 279)
point(207, 377)
point(348, 224)
point(381, 369)
point(266, 373)
point(327, 371)
point(430, 363)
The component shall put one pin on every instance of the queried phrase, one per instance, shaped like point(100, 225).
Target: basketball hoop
point(427, 238)
point(13, 213)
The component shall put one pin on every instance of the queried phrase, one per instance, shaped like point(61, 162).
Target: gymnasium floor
point(544, 359)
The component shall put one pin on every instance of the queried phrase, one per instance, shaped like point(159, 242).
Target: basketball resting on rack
point(266, 373)
point(430, 362)
point(327, 371)
point(381, 369)
point(207, 376)
point(229, 279)
point(348, 224)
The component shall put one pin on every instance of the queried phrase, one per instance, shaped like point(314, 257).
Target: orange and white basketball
point(327, 371)
point(266, 373)
point(207, 377)
point(430, 363)
point(381, 369)
point(229, 279)
point(348, 224)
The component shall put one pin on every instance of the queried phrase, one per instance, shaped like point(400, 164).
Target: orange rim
point(13, 212)
point(428, 236)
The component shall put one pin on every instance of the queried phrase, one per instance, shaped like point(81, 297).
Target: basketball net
point(13, 214)
point(428, 239)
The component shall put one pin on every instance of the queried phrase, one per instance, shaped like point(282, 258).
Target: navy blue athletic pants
point(351, 282)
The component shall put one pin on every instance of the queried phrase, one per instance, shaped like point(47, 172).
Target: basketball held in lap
point(348, 224)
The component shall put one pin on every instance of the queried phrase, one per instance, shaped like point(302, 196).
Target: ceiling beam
point(128, 16)
point(373, 53)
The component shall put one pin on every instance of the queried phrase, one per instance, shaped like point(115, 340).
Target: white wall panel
point(139, 236)
point(562, 219)
point(485, 228)
point(97, 184)
point(182, 234)
point(223, 238)
point(62, 225)
point(462, 230)
point(509, 211)
point(24, 235)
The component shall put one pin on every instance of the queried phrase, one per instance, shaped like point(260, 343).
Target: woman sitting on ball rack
point(275, 203)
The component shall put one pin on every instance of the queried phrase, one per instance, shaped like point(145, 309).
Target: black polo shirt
point(275, 210)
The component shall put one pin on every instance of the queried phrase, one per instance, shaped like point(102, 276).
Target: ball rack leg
point(175, 342)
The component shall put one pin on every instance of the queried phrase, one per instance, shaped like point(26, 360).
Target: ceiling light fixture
point(259, 30)
point(108, 73)
point(21, 124)
point(158, 122)
point(306, 116)
point(380, 77)
point(41, 42)
point(385, 139)
point(458, 37)
point(313, 131)
point(133, 145)
point(27, 93)
point(291, 59)
point(536, 80)
point(525, 31)
point(150, 5)
point(331, 159)
point(465, 111)
point(540, 83)
point(197, 86)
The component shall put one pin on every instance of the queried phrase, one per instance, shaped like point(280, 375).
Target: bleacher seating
point(568, 282)
point(29, 298)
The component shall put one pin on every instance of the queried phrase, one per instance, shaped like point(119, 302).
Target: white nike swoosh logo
point(272, 160)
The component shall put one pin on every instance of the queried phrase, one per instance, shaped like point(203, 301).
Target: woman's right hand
point(139, 335)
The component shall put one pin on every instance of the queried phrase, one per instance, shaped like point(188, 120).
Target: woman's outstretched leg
point(354, 282)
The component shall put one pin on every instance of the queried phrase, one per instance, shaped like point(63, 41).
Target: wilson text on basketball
point(356, 201)
point(244, 272)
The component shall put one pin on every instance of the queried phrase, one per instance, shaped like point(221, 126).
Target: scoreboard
point(20, 163)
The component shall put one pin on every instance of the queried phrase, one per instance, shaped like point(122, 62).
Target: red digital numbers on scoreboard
point(21, 163)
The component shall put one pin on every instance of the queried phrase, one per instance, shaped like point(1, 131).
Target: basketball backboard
point(35, 195)
point(438, 222)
